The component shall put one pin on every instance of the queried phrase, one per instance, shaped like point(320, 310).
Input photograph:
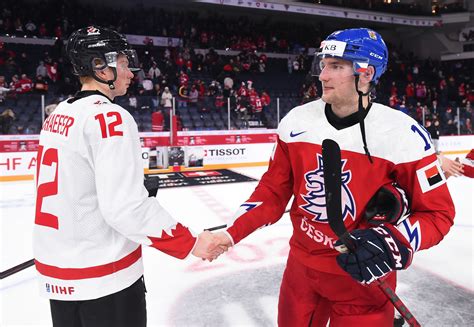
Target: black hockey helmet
point(94, 48)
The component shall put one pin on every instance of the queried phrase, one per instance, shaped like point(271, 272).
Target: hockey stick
point(152, 188)
point(18, 268)
point(332, 184)
point(224, 226)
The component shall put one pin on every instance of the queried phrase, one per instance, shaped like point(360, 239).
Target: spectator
point(193, 96)
point(450, 128)
point(258, 109)
point(24, 63)
point(3, 89)
point(394, 89)
point(410, 93)
point(52, 70)
point(6, 120)
point(261, 66)
point(132, 102)
point(43, 31)
point(157, 121)
point(30, 28)
point(183, 79)
point(166, 98)
point(154, 72)
point(41, 70)
point(49, 109)
point(420, 90)
point(25, 84)
point(40, 85)
point(228, 83)
point(183, 96)
point(449, 115)
point(265, 100)
point(147, 85)
point(15, 85)
point(467, 127)
point(156, 96)
point(401, 106)
point(433, 129)
point(219, 101)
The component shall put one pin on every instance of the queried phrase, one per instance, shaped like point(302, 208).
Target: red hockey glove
point(388, 205)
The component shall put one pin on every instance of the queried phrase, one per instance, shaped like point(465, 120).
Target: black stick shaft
point(332, 184)
point(16, 269)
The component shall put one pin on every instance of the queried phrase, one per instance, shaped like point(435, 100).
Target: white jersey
point(92, 210)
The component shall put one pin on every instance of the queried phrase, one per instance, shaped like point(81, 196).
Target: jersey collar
point(341, 123)
point(84, 94)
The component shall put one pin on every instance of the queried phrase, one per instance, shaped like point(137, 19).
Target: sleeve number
point(110, 128)
point(426, 138)
point(48, 158)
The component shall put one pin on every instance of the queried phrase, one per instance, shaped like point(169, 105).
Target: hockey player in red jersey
point(379, 146)
point(468, 164)
point(93, 213)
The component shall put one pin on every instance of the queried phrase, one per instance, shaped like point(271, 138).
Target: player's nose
point(323, 75)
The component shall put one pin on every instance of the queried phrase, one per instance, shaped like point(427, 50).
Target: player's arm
point(267, 203)
point(123, 199)
point(391, 245)
point(432, 208)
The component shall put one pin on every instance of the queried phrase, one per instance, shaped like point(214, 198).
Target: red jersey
point(183, 79)
point(401, 151)
point(258, 104)
point(265, 99)
point(243, 91)
point(157, 120)
point(468, 163)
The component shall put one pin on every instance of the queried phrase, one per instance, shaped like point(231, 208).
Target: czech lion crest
point(315, 200)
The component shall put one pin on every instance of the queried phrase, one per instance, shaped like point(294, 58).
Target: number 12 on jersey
point(110, 127)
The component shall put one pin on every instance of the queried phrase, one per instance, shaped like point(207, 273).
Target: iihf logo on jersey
point(315, 198)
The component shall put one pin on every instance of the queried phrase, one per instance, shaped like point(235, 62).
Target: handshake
point(209, 245)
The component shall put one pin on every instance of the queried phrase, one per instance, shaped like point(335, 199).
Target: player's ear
point(366, 77)
point(369, 73)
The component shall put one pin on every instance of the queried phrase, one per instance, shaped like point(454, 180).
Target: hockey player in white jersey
point(93, 213)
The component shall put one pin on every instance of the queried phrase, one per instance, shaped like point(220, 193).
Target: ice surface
point(240, 288)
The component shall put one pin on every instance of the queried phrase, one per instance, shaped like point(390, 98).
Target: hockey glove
point(377, 253)
point(151, 184)
point(388, 205)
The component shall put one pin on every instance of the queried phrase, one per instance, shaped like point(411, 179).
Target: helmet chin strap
point(361, 111)
point(110, 82)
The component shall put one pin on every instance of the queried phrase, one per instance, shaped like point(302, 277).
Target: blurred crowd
point(428, 90)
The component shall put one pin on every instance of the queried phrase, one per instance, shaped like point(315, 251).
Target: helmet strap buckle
point(109, 82)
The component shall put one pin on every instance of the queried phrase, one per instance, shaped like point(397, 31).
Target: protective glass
point(132, 57)
point(358, 65)
point(336, 49)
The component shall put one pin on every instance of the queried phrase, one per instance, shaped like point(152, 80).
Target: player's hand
point(224, 241)
point(377, 253)
point(451, 167)
point(207, 246)
point(388, 205)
